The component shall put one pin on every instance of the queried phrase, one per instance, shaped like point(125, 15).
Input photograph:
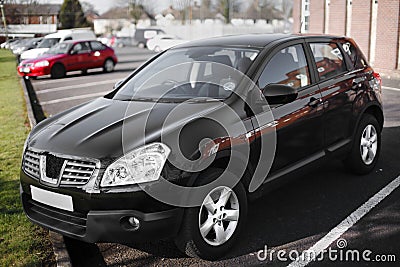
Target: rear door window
point(329, 60)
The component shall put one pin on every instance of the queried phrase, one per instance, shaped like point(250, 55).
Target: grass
point(21, 242)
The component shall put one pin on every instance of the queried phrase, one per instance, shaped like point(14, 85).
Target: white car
point(162, 42)
point(55, 38)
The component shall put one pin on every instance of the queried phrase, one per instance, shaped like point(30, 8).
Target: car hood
point(96, 129)
point(48, 57)
point(33, 53)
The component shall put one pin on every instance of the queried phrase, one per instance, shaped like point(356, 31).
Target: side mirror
point(73, 52)
point(279, 94)
point(117, 84)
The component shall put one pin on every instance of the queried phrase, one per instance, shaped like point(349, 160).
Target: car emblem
point(43, 173)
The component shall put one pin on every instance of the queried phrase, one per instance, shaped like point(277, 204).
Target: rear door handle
point(314, 102)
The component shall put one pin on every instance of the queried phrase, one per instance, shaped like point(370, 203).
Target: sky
point(104, 5)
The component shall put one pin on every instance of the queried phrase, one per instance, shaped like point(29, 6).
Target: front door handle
point(314, 102)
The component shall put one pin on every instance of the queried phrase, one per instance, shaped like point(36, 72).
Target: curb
point(59, 249)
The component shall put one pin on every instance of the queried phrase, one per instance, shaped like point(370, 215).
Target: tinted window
point(356, 57)
point(97, 46)
point(329, 60)
point(288, 67)
point(185, 73)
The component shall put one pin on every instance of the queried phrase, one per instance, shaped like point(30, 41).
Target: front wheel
point(366, 146)
point(108, 65)
point(210, 230)
point(57, 71)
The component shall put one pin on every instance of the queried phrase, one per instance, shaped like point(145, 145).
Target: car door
point(299, 127)
point(337, 90)
point(79, 58)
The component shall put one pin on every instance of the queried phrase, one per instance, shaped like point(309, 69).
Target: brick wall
point(360, 24)
point(337, 17)
point(316, 16)
point(387, 36)
point(296, 16)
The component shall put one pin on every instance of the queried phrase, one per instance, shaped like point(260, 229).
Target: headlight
point(139, 166)
point(43, 63)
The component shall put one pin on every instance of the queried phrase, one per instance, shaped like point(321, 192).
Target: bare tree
point(88, 8)
point(182, 6)
point(136, 10)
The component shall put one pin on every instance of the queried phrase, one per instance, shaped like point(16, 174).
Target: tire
point(208, 245)
point(57, 71)
point(108, 65)
point(366, 146)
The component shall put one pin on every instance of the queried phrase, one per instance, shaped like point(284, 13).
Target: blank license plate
point(55, 200)
point(25, 70)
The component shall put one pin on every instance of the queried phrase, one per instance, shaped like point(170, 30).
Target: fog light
point(134, 223)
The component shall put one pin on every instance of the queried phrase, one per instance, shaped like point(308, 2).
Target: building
point(30, 20)
point(373, 24)
point(32, 14)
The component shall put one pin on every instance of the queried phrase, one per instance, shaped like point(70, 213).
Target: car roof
point(79, 41)
point(249, 40)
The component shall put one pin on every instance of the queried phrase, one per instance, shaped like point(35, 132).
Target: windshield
point(48, 42)
point(187, 73)
point(60, 48)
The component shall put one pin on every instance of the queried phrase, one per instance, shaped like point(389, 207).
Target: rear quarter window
point(355, 56)
point(97, 46)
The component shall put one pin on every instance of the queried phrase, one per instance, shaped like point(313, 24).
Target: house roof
point(32, 10)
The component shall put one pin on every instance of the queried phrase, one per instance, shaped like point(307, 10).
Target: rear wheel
point(366, 146)
point(108, 65)
point(209, 231)
point(57, 71)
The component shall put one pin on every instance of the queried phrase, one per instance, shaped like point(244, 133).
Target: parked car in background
point(85, 177)
point(123, 41)
point(7, 44)
point(143, 35)
point(162, 42)
point(55, 38)
point(26, 45)
point(70, 56)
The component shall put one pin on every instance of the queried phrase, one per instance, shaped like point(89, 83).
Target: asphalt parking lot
point(308, 212)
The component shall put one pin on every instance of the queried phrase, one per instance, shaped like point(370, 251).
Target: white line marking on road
point(345, 225)
point(71, 87)
point(391, 88)
point(55, 101)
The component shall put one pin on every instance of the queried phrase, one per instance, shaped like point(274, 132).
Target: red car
point(70, 56)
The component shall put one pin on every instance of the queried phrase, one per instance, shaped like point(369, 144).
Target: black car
point(143, 35)
point(180, 146)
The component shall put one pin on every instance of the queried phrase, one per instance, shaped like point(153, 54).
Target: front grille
point(27, 65)
point(31, 163)
point(76, 172)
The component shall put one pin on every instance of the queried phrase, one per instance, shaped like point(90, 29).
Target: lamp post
point(4, 18)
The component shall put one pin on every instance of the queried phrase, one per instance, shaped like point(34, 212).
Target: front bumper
point(33, 71)
point(102, 225)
